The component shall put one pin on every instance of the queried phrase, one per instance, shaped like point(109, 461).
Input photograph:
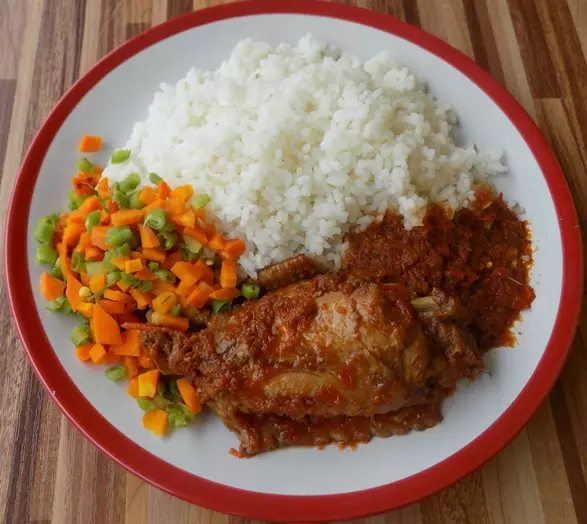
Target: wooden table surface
point(50, 474)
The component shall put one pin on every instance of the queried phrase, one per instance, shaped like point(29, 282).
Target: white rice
point(297, 145)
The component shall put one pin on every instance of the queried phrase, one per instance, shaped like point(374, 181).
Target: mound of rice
point(298, 145)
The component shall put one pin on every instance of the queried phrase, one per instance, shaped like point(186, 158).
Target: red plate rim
point(263, 506)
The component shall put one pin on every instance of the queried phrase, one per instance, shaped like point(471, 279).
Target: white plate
point(479, 420)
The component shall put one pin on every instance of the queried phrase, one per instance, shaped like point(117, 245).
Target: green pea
point(120, 155)
point(250, 291)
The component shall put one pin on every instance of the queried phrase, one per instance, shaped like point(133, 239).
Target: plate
point(301, 484)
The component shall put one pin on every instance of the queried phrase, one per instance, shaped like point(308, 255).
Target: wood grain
point(50, 474)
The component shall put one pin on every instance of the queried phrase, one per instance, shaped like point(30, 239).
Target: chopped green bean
point(250, 291)
point(187, 254)
point(156, 219)
point(85, 166)
point(134, 202)
point(161, 388)
point(175, 310)
point(115, 373)
point(219, 305)
point(77, 261)
point(72, 200)
point(120, 197)
point(173, 389)
point(168, 239)
point(46, 255)
point(123, 251)
point(177, 416)
point(108, 256)
point(84, 322)
point(94, 268)
point(165, 276)
point(56, 271)
point(45, 229)
point(130, 183)
point(200, 200)
point(116, 236)
point(80, 336)
point(154, 178)
point(56, 304)
point(153, 266)
point(146, 404)
point(93, 219)
point(161, 402)
point(192, 244)
point(129, 280)
point(112, 278)
point(145, 285)
point(120, 155)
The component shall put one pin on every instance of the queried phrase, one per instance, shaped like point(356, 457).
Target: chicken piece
point(258, 433)
point(287, 272)
point(330, 346)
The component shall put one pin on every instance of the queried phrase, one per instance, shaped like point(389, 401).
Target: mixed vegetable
point(125, 254)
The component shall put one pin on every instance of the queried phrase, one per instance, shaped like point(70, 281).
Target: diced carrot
point(145, 361)
point(130, 344)
point(81, 184)
point(185, 272)
point(131, 364)
point(228, 274)
point(199, 296)
point(171, 260)
point(184, 193)
point(162, 287)
point(134, 265)
point(233, 249)
point(184, 288)
point(112, 307)
point(129, 318)
point(98, 353)
point(217, 242)
point(210, 229)
point(75, 217)
point(225, 294)
point(203, 271)
point(117, 296)
point(155, 254)
point(72, 233)
point(156, 204)
point(86, 309)
point(148, 383)
point(120, 262)
point(97, 282)
point(112, 359)
point(164, 302)
point(84, 278)
point(99, 237)
point(90, 204)
point(126, 217)
point(106, 328)
point(155, 421)
point(83, 352)
point(133, 387)
point(179, 323)
point(148, 237)
point(175, 206)
point(189, 395)
point(182, 301)
point(64, 259)
point(112, 206)
point(163, 190)
point(72, 292)
point(139, 255)
point(90, 144)
point(94, 253)
point(196, 234)
point(51, 287)
point(124, 287)
point(102, 187)
point(186, 219)
point(85, 241)
point(145, 274)
point(147, 196)
point(143, 299)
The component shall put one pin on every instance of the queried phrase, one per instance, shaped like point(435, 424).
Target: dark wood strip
point(394, 8)
point(7, 89)
point(112, 26)
point(483, 38)
point(18, 500)
point(575, 67)
point(135, 29)
point(539, 66)
point(178, 7)
point(411, 13)
point(571, 456)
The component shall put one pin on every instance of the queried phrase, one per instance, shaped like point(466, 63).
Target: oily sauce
point(481, 255)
